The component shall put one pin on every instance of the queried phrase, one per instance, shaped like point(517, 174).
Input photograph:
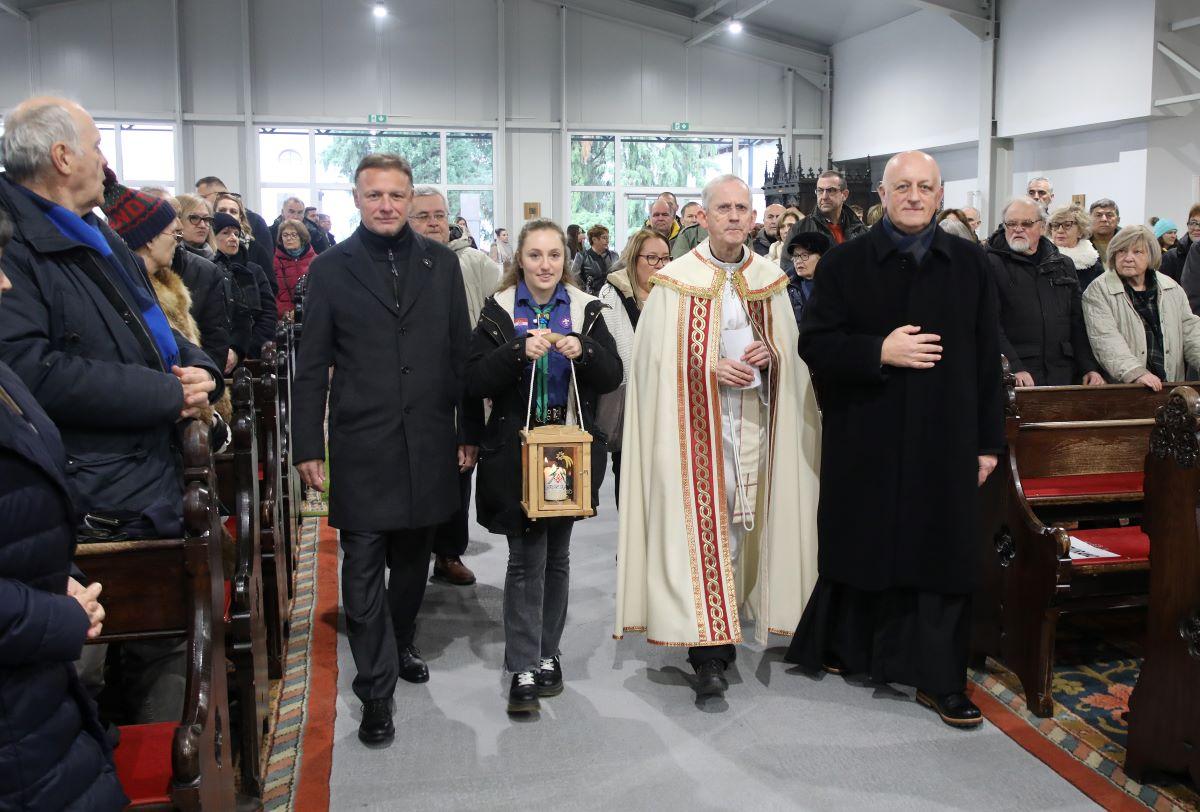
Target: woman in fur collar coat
point(1070, 230)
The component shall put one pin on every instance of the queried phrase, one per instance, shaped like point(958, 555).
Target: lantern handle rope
point(574, 384)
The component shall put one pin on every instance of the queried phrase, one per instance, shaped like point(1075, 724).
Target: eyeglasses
point(654, 260)
point(426, 216)
point(1021, 224)
point(832, 190)
point(1061, 226)
point(1193, 223)
point(197, 219)
point(803, 256)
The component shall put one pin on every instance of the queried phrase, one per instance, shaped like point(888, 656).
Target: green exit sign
point(680, 126)
point(377, 118)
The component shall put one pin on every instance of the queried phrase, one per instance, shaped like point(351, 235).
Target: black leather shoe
point(710, 678)
point(376, 726)
point(549, 677)
point(412, 667)
point(523, 694)
point(955, 709)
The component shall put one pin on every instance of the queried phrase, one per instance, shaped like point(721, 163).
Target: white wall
point(890, 94)
point(1173, 167)
point(1073, 42)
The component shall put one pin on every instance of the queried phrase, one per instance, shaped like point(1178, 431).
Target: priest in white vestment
point(720, 452)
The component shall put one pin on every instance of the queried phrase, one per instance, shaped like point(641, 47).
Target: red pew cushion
point(143, 760)
point(1129, 543)
point(1083, 484)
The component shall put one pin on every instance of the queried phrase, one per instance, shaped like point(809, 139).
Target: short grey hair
point(1049, 182)
point(425, 190)
point(833, 173)
point(1104, 203)
point(287, 200)
point(1126, 237)
point(30, 135)
point(1029, 201)
point(1073, 214)
point(707, 193)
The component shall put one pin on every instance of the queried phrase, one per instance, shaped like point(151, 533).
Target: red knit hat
point(136, 216)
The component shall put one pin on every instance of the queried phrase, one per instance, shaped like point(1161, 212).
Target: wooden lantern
point(556, 472)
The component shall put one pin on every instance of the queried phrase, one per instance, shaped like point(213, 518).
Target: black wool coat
point(396, 386)
point(68, 331)
point(496, 369)
point(210, 302)
point(1039, 298)
point(900, 447)
point(253, 314)
point(53, 752)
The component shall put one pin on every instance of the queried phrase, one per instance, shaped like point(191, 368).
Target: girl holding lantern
point(538, 337)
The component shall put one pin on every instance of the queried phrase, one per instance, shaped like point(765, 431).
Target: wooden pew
point(246, 626)
point(1074, 454)
point(291, 491)
point(276, 558)
point(1164, 710)
point(161, 588)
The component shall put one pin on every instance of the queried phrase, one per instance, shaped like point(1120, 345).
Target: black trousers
point(616, 462)
point(380, 619)
point(699, 655)
point(451, 536)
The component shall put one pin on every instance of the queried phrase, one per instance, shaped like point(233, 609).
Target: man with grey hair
point(1041, 190)
point(429, 215)
point(974, 220)
point(1106, 222)
point(1042, 332)
point(901, 338)
point(84, 331)
point(831, 217)
point(294, 209)
point(724, 519)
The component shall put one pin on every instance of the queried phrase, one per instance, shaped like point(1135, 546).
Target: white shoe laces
point(547, 664)
point(526, 678)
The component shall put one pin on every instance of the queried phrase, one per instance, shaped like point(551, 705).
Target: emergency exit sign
point(377, 118)
point(680, 126)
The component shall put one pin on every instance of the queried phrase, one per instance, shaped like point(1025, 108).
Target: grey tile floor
point(628, 734)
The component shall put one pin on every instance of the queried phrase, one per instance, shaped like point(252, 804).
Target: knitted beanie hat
point(222, 221)
point(1163, 226)
point(136, 216)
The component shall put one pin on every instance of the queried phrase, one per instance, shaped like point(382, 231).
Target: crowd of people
point(755, 383)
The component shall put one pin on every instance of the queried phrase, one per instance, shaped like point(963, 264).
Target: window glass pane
point(674, 162)
point(469, 158)
point(283, 157)
point(478, 208)
point(757, 157)
point(637, 211)
point(147, 153)
point(595, 208)
point(338, 153)
point(339, 205)
point(108, 144)
point(593, 160)
point(273, 197)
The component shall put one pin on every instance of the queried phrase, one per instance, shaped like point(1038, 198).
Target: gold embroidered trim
point(683, 289)
point(681, 408)
point(713, 290)
point(781, 632)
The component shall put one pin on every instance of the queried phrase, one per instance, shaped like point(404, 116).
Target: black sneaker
point(523, 695)
point(549, 677)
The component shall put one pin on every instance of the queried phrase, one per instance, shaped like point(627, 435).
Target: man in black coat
point(831, 217)
point(902, 342)
point(1042, 332)
point(386, 308)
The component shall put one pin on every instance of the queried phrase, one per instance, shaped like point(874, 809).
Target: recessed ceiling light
point(735, 26)
point(380, 10)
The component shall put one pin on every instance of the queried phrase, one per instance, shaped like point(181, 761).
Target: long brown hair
point(513, 272)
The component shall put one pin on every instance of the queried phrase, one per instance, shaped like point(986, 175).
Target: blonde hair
point(514, 273)
point(630, 255)
point(247, 231)
point(1125, 238)
point(190, 203)
point(1072, 214)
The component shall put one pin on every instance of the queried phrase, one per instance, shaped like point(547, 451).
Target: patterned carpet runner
point(1096, 667)
point(301, 743)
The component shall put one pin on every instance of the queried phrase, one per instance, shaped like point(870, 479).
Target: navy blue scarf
point(916, 244)
point(74, 227)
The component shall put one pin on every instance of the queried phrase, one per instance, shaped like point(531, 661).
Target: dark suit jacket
point(396, 387)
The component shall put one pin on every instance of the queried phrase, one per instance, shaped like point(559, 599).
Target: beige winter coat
point(176, 303)
point(480, 275)
point(1119, 339)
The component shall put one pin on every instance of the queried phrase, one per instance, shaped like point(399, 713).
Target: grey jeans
point(535, 593)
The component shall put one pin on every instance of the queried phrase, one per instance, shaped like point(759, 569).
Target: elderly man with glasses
point(1042, 332)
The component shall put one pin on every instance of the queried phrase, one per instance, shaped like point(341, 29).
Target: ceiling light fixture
point(380, 11)
point(735, 26)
